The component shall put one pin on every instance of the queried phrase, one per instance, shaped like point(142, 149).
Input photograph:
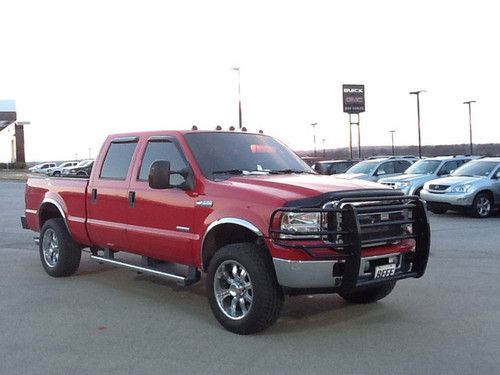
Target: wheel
point(369, 295)
point(81, 174)
point(438, 211)
point(60, 255)
point(417, 192)
point(242, 288)
point(56, 174)
point(481, 206)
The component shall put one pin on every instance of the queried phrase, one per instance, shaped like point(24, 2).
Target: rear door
point(160, 223)
point(107, 196)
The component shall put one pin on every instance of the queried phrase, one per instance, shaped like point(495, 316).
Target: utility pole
point(314, 135)
point(470, 122)
point(417, 93)
point(392, 138)
point(324, 151)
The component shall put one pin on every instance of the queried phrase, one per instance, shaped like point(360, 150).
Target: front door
point(160, 222)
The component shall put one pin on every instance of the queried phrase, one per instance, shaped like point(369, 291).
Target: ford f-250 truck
point(241, 207)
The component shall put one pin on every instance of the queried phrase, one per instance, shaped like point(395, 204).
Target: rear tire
point(369, 295)
point(242, 288)
point(56, 174)
point(481, 206)
point(60, 255)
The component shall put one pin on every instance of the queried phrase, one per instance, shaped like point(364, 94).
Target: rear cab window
point(117, 161)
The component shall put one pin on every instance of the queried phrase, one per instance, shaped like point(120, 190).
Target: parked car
point(474, 187)
point(374, 169)
point(241, 207)
point(82, 169)
point(333, 166)
point(413, 179)
point(41, 168)
point(56, 171)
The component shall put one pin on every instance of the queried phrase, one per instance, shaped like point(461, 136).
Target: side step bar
point(192, 276)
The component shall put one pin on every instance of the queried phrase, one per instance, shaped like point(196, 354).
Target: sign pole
point(350, 134)
point(354, 103)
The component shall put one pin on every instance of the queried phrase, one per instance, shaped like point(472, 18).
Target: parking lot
point(108, 320)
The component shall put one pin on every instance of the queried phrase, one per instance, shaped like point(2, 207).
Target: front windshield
point(83, 163)
point(423, 167)
point(365, 167)
point(477, 168)
point(222, 154)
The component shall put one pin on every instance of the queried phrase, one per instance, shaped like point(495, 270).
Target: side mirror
point(159, 175)
point(380, 173)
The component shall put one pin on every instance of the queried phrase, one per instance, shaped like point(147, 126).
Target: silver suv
point(474, 187)
point(413, 179)
point(373, 169)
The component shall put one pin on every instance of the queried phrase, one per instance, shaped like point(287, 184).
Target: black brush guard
point(355, 233)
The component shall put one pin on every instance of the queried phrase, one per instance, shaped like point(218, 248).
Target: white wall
point(8, 144)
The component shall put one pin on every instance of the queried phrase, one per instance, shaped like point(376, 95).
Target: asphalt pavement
point(106, 320)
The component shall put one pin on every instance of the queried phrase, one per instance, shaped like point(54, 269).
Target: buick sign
point(354, 98)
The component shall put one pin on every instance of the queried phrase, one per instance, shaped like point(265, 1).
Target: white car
point(42, 168)
point(374, 169)
point(57, 171)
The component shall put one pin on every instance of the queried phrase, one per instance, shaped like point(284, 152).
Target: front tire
point(60, 255)
point(242, 289)
point(369, 295)
point(481, 206)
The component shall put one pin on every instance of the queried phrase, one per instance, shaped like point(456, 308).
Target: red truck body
point(188, 226)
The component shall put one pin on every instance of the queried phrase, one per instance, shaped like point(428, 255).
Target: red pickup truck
point(241, 207)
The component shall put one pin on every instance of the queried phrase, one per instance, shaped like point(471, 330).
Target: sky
point(80, 70)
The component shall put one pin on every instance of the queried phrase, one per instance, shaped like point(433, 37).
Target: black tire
point(82, 174)
point(418, 191)
point(60, 255)
point(369, 295)
point(56, 174)
point(438, 211)
point(265, 296)
point(481, 206)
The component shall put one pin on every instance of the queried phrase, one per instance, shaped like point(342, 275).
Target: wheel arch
point(489, 193)
point(50, 209)
point(226, 231)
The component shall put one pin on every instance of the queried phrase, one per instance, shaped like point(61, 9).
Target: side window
point(117, 160)
point(401, 166)
point(163, 150)
point(386, 168)
point(448, 167)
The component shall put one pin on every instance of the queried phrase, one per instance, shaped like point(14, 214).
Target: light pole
point(314, 135)
point(392, 139)
point(324, 151)
point(417, 93)
point(240, 119)
point(470, 122)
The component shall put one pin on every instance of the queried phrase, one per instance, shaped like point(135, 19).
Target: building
point(11, 136)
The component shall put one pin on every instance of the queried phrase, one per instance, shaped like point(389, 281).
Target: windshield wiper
point(288, 171)
point(230, 171)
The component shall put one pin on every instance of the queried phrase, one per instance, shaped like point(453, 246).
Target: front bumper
point(452, 199)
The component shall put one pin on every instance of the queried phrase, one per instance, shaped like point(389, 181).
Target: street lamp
point(240, 120)
point(314, 135)
point(392, 138)
point(470, 122)
point(417, 93)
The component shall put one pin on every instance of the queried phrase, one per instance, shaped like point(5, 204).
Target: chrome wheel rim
point(50, 248)
point(483, 206)
point(233, 289)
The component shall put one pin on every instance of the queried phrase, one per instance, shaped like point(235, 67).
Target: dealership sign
point(354, 98)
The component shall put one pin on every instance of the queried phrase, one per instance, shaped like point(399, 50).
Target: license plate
point(387, 270)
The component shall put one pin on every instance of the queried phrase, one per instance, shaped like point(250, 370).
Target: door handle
point(131, 199)
point(94, 196)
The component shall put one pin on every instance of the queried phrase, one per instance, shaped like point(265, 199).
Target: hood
point(352, 176)
point(456, 180)
point(293, 187)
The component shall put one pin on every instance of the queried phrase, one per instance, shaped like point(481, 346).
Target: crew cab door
point(160, 223)
point(107, 196)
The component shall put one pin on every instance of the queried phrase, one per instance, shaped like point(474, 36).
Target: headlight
point(461, 188)
point(402, 184)
point(300, 222)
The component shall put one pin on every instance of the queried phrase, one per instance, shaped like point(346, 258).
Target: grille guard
point(354, 234)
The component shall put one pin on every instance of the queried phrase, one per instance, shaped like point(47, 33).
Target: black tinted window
point(117, 160)
point(163, 150)
point(402, 166)
point(448, 167)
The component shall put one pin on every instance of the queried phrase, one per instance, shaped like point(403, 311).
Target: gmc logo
point(353, 90)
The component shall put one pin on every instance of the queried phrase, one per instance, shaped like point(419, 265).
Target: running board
point(192, 276)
